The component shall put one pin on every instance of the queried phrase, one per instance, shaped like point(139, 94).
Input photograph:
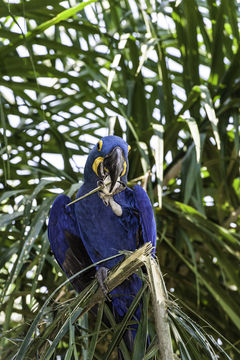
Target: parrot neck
point(108, 197)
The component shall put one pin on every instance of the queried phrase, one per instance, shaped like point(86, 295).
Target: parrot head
point(108, 160)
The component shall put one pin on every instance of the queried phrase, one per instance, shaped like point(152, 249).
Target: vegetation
point(166, 76)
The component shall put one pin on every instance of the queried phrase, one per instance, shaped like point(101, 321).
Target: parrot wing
point(146, 216)
point(66, 243)
point(146, 233)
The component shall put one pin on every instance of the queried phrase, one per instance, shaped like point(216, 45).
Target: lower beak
point(115, 163)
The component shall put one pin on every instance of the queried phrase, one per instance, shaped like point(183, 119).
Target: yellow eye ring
point(129, 148)
point(99, 145)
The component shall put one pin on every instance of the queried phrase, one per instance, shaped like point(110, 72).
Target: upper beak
point(114, 163)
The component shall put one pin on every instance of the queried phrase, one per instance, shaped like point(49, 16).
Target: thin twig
point(89, 193)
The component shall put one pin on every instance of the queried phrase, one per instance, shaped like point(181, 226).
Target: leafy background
point(165, 75)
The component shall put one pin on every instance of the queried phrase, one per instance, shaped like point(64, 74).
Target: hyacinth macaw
point(100, 225)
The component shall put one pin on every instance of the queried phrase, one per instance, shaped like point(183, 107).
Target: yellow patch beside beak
point(124, 168)
point(100, 159)
point(96, 163)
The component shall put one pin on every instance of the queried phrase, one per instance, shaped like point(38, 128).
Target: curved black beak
point(114, 163)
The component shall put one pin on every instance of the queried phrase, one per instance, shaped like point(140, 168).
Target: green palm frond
point(165, 75)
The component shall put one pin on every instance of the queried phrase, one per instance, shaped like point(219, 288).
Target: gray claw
point(101, 276)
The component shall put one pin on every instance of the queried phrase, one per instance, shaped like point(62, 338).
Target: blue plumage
point(66, 220)
point(100, 225)
point(104, 233)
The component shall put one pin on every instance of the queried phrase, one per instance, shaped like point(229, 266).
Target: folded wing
point(66, 243)
point(146, 216)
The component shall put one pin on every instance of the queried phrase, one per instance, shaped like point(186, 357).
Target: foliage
point(165, 75)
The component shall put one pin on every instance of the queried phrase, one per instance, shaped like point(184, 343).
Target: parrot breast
point(104, 232)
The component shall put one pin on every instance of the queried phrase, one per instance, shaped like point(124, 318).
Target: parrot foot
point(101, 276)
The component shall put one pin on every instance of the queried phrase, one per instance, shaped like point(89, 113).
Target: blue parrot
point(100, 225)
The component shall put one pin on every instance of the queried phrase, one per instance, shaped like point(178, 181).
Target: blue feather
point(66, 243)
point(59, 221)
point(145, 210)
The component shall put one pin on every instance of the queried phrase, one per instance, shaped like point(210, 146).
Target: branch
point(232, 218)
point(128, 267)
point(173, 172)
point(93, 294)
point(159, 299)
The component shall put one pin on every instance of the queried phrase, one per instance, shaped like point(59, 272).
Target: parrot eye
point(129, 148)
point(99, 145)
